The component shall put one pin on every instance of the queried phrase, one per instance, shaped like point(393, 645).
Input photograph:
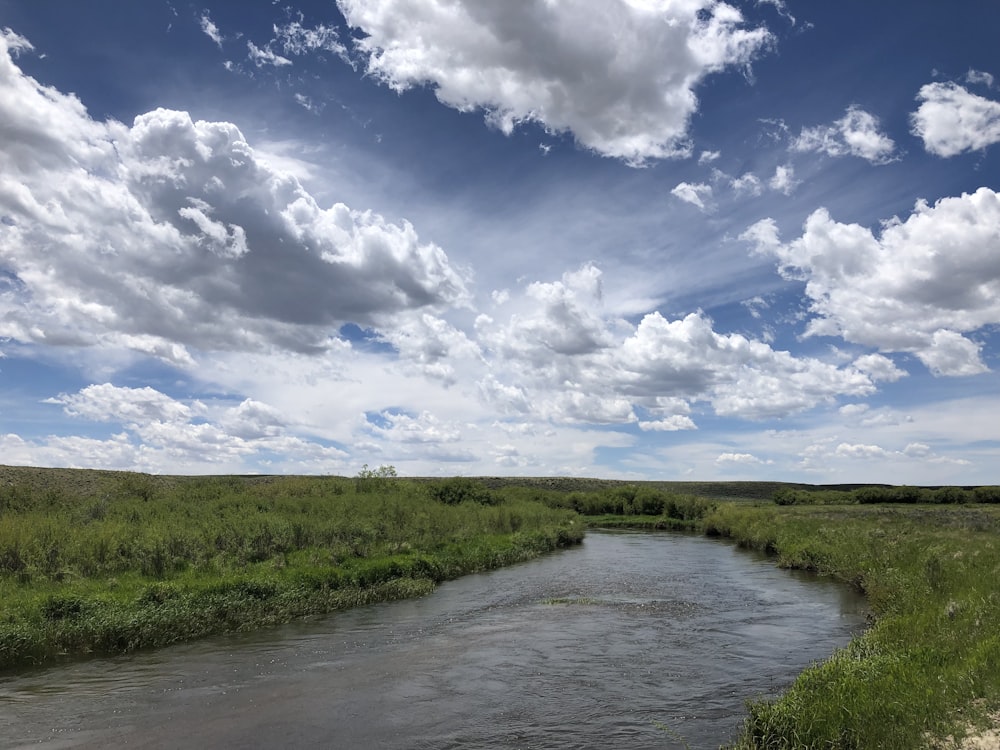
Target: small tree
point(374, 480)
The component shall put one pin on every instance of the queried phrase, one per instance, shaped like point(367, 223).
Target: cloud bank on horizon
point(621, 239)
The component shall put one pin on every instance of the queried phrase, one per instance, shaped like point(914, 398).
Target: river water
point(632, 640)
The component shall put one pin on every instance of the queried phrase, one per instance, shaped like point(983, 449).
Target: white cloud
point(431, 345)
point(780, 7)
point(619, 74)
point(211, 30)
point(265, 56)
point(784, 179)
point(755, 305)
point(161, 433)
point(296, 39)
point(399, 427)
point(856, 133)
point(554, 319)
point(951, 353)
point(979, 77)
point(14, 42)
point(917, 450)
point(696, 194)
point(860, 451)
point(108, 403)
point(558, 356)
point(737, 458)
point(853, 410)
point(879, 368)
point(252, 420)
point(171, 234)
point(674, 423)
point(918, 287)
point(951, 120)
point(747, 183)
point(707, 157)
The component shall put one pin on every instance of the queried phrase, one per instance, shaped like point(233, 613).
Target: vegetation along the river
point(927, 670)
point(108, 562)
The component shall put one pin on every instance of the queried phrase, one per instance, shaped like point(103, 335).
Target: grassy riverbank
point(928, 560)
point(930, 663)
point(110, 562)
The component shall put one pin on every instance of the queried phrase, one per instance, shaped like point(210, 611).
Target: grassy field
point(110, 562)
point(929, 665)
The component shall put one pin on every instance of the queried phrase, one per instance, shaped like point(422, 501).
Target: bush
point(461, 490)
point(987, 494)
point(374, 480)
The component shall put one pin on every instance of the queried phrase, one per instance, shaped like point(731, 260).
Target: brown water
point(663, 639)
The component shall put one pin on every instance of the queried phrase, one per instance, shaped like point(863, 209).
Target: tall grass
point(932, 653)
point(139, 562)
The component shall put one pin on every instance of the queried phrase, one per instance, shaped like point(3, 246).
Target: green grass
point(929, 663)
point(109, 562)
point(117, 561)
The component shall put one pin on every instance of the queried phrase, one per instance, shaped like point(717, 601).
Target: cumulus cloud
point(853, 410)
point(856, 134)
point(860, 451)
point(562, 359)
point(917, 450)
point(950, 119)
point(696, 194)
point(620, 75)
point(920, 286)
point(171, 233)
point(783, 179)
point(400, 427)
point(555, 319)
point(108, 403)
point(430, 344)
point(741, 377)
point(747, 183)
point(738, 458)
point(879, 368)
point(673, 423)
point(161, 433)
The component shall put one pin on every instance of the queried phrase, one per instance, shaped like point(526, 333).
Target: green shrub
point(374, 480)
point(462, 490)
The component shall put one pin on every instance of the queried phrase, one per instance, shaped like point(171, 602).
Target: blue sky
point(651, 239)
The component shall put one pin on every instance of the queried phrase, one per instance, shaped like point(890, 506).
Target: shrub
point(374, 480)
point(462, 490)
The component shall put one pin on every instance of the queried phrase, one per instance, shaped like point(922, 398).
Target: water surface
point(632, 640)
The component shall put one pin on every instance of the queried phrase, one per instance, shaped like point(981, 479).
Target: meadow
point(110, 562)
point(926, 672)
point(928, 667)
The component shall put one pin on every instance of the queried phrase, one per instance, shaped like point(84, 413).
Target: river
point(631, 640)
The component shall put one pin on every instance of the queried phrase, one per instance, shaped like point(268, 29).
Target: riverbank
point(110, 562)
point(929, 665)
point(120, 561)
point(926, 673)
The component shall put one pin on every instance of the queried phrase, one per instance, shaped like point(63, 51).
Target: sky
point(634, 239)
